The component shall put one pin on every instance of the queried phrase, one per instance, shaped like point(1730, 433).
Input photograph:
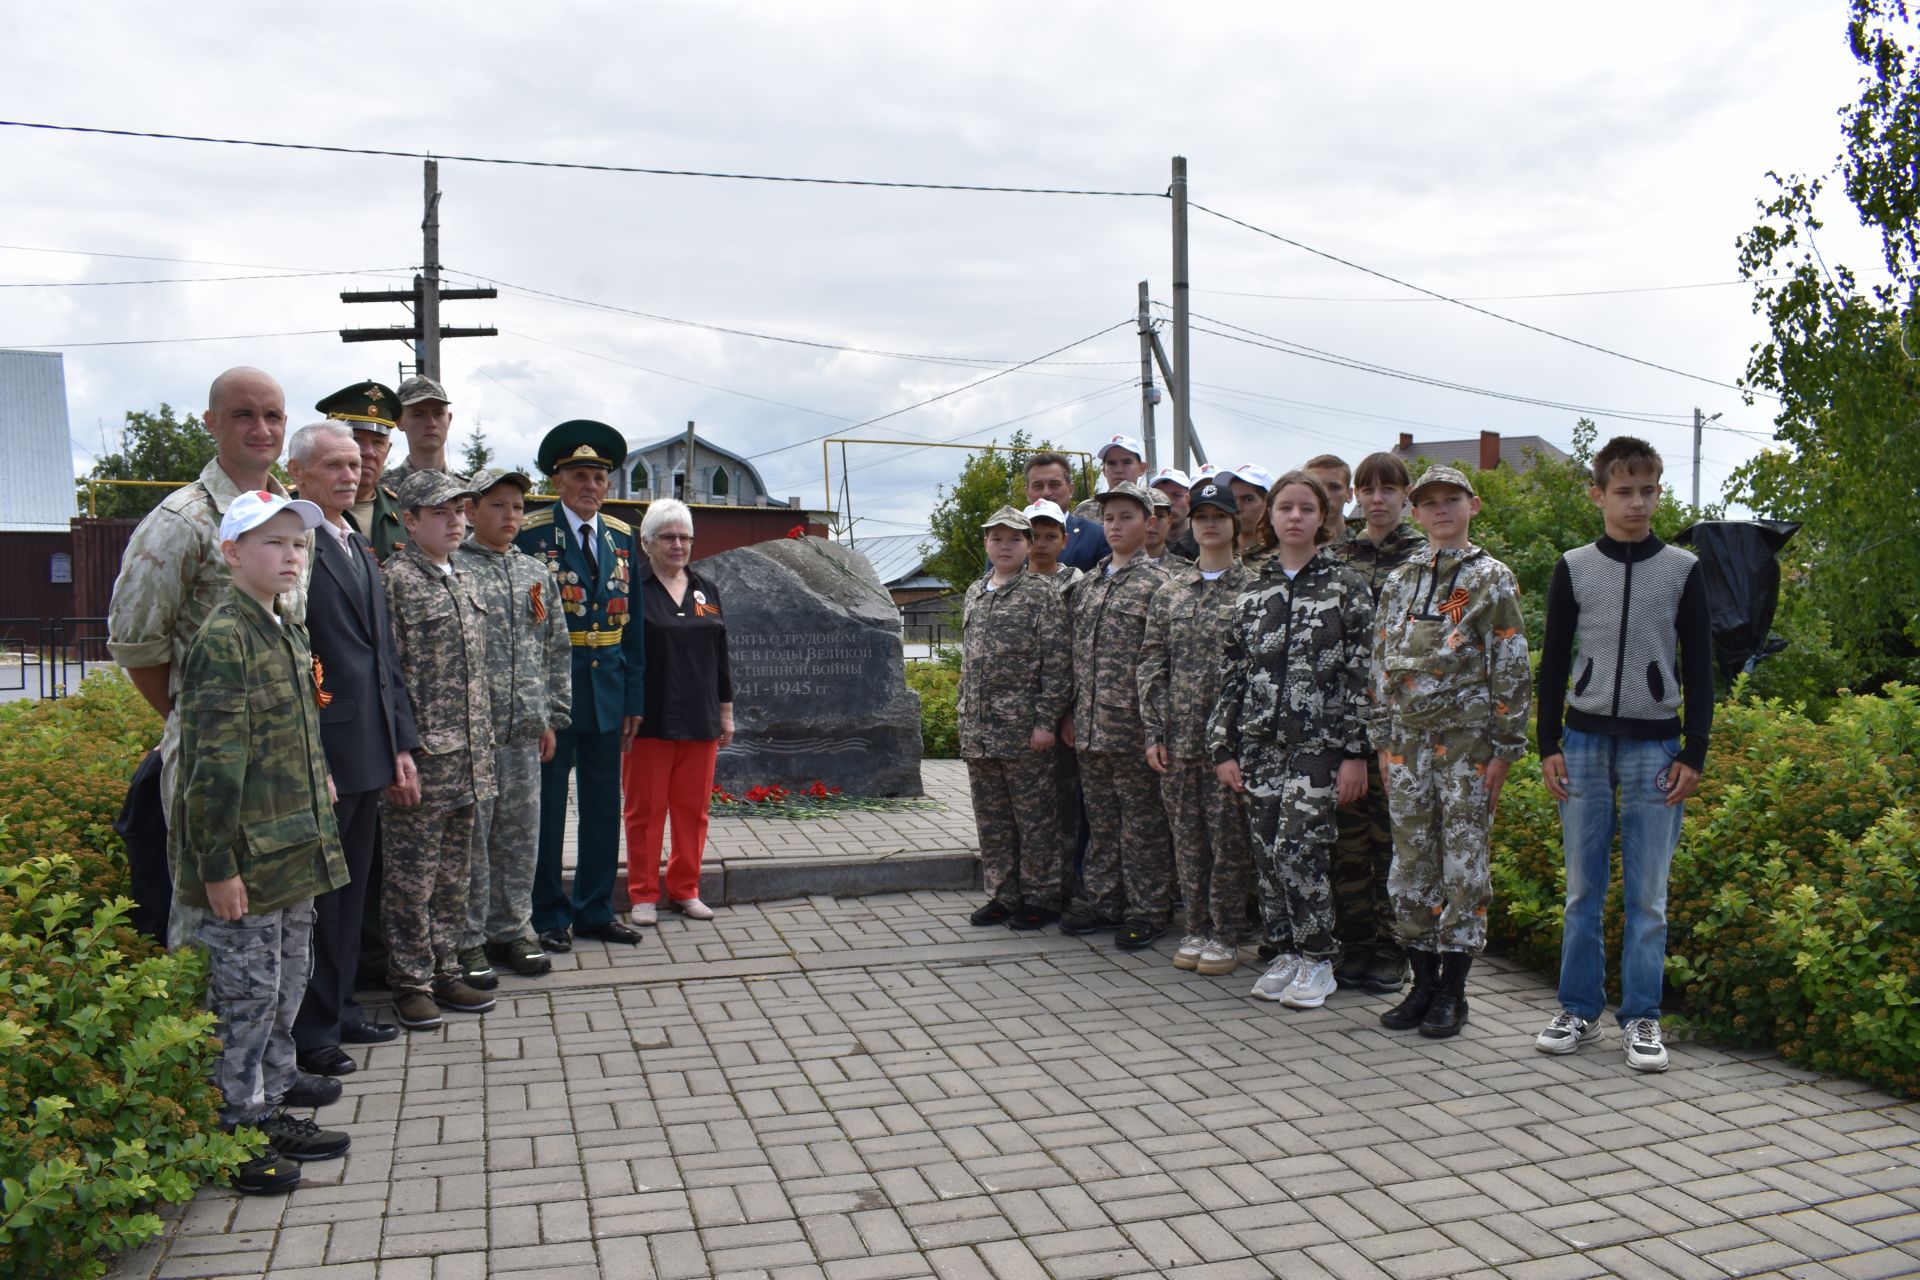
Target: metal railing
point(49, 657)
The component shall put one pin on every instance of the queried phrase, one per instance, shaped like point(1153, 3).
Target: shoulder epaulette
point(538, 520)
point(390, 493)
point(617, 525)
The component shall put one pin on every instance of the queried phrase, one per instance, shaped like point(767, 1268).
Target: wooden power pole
point(1148, 392)
point(425, 297)
point(1180, 383)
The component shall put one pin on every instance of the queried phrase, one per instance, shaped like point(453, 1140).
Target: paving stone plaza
point(863, 1088)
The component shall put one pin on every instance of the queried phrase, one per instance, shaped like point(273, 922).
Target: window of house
point(721, 486)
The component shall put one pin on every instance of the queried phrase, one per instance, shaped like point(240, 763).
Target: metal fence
point(49, 657)
point(922, 641)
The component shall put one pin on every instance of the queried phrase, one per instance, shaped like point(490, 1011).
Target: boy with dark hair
point(1617, 611)
point(1448, 715)
point(253, 838)
point(438, 630)
point(1331, 470)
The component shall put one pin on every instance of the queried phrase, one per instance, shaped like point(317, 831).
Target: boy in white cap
point(1123, 460)
point(1249, 484)
point(1178, 486)
point(253, 839)
point(1048, 524)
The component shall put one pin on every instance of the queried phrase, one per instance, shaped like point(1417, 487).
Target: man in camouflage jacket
point(1016, 683)
point(1127, 877)
point(1292, 709)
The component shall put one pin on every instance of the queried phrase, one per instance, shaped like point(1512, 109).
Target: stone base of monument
point(738, 880)
point(819, 682)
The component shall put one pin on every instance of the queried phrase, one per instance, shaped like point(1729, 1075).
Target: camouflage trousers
point(1015, 810)
point(1362, 858)
point(1072, 820)
point(423, 899)
point(1128, 872)
point(257, 971)
point(1211, 849)
point(1441, 883)
point(1291, 796)
point(506, 838)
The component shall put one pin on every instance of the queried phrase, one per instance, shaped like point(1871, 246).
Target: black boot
point(1409, 1013)
point(1448, 1012)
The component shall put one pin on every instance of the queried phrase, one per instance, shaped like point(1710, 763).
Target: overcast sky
point(1479, 151)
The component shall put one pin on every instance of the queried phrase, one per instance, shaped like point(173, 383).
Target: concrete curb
point(731, 881)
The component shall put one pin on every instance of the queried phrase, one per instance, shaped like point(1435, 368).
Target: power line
point(148, 342)
point(282, 275)
point(1486, 297)
point(391, 153)
point(1460, 302)
point(148, 257)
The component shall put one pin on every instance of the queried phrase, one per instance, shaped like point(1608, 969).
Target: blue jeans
point(1599, 768)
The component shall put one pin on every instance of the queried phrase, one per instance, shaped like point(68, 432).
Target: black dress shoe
point(311, 1091)
point(367, 1032)
point(612, 931)
point(556, 940)
point(326, 1060)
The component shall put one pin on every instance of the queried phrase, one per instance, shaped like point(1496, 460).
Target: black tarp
point(1740, 561)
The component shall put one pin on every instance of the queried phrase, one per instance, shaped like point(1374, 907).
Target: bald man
point(171, 577)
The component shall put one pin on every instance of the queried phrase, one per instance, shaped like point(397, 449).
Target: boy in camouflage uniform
point(1290, 730)
point(253, 839)
point(439, 631)
point(1127, 876)
point(1015, 688)
point(530, 684)
point(1180, 669)
point(1448, 715)
point(1048, 540)
point(1371, 956)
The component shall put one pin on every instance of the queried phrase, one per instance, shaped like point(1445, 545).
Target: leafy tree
point(988, 481)
point(153, 446)
point(1841, 359)
point(476, 454)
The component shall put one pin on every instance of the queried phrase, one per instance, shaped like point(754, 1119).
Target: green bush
point(1794, 901)
point(938, 685)
point(105, 1101)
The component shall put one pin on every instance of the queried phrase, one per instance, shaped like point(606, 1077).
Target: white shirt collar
point(583, 526)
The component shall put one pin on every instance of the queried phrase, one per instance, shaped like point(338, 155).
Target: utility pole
point(686, 468)
point(1148, 392)
point(1181, 384)
point(425, 297)
point(1699, 425)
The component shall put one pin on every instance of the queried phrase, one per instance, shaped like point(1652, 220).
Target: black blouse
point(688, 675)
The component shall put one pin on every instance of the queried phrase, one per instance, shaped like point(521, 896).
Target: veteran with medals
point(591, 556)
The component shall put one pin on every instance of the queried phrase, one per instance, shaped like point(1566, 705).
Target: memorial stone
point(819, 682)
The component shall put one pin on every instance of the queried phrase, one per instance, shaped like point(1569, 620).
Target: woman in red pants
point(668, 771)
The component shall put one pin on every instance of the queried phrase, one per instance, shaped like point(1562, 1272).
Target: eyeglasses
point(673, 537)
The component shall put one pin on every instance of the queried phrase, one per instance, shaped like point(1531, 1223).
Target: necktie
point(585, 534)
point(352, 553)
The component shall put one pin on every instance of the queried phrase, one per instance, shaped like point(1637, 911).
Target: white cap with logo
point(251, 510)
point(1045, 510)
point(1171, 475)
point(1128, 443)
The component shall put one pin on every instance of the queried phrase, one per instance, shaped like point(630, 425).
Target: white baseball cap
point(1171, 475)
point(1128, 443)
point(251, 510)
point(1046, 510)
point(1247, 473)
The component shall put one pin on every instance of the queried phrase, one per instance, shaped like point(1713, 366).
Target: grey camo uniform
point(1363, 853)
point(1451, 691)
point(439, 630)
point(530, 686)
point(1128, 871)
point(1072, 815)
point(1015, 677)
point(1181, 663)
point(1291, 709)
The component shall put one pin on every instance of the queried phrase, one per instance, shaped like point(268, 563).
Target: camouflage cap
point(417, 389)
point(486, 480)
point(1161, 502)
point(1008, 518)
point(1442, 475)
point(1129, 490)
point(433, 489)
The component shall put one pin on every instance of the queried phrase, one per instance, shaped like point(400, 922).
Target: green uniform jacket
point(386, 531)
point(1109, 620)
point(251, 796)
point(609, 679)
point(1184, 655)
point(1016, 671)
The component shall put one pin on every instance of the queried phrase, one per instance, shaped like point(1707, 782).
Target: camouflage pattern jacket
point(529, 658)
point(1109, 616)
point(250, 799)
point(1016, 668)
point(1181, 658)
point(172, 576)
point(439, 629)
point(1450, 653)
point(1296, 663)
point(1377, 563)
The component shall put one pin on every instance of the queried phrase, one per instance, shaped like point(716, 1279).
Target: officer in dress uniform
point(592, 556)
point(369, 408)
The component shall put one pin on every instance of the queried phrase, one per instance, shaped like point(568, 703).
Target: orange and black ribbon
point(321, 697)
point(539, 606)
point(1455, 606)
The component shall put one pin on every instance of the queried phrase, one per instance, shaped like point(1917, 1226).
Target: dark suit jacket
point(1086, 543)
point(370, 718)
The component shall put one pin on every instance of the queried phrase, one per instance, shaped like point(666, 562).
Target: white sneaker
point(1188, 956)
point(643, 913)
point(1218, 958)
point(693, 908)
point(1312, 983)
point(1644, 1050)
point(1566, 1033)
point(1273, 984)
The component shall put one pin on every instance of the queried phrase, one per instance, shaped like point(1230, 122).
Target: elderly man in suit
point(366, 729)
